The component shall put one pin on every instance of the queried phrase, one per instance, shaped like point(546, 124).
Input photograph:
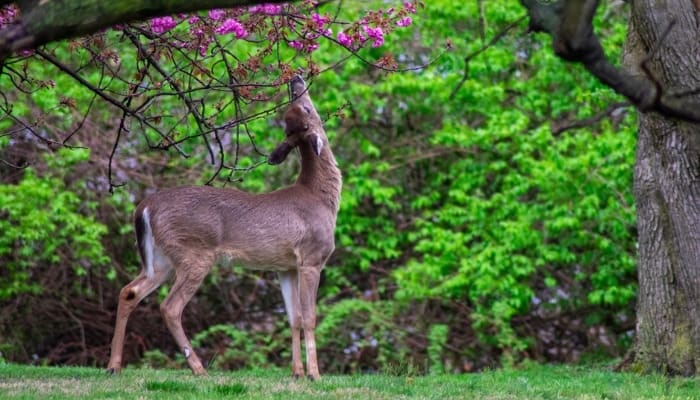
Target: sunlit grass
point(533, 382)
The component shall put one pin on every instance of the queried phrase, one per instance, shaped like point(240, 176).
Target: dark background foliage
point(487, 214)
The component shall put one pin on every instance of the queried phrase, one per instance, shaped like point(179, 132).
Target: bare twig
point(559, 128)
point(188, 103)
point(472, 55)
point(63, 68)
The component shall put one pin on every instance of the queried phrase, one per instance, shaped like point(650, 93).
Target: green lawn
point(535, 382)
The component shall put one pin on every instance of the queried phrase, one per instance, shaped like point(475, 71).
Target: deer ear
point(280, 153)
point(316, 143)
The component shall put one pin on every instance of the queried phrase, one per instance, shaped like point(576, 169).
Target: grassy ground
point(536, 382)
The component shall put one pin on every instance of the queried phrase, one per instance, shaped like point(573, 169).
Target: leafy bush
point(44, 225)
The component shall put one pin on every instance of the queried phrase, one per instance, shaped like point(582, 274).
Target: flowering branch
point(46, 21)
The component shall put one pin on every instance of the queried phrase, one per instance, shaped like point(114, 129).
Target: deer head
point(302, 124)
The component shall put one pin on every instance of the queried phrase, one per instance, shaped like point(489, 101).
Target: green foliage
point(352, 328)
point(437, 338)
point(491, 207)
point(45, 225)
point(237, 348)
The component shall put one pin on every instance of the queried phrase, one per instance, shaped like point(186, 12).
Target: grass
point(533, 382)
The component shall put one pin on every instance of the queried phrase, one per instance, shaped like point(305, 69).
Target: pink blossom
point(406, 21)
point(344, 39)
point(303, 46)
point(320, 20)
point(232, 26)
point(203, 49)
point(7, 14)
point(411, 7)
point(295, 44)
point(376, 34)
point(197, 32)
point(216, 14)
point(162, 24)
point(267, 9)
point(193, 19)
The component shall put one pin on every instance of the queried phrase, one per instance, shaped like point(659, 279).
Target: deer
point(185, 230)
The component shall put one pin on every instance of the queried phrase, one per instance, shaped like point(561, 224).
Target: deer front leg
point(289, 283)
point(187, 282)
point(308, 287)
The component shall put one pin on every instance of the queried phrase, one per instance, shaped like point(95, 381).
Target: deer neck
point(320, 173)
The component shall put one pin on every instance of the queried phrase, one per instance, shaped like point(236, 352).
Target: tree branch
point(480, 50)
point(46, 21)
point(570, 23)
point(557, 127)
point(127, 111)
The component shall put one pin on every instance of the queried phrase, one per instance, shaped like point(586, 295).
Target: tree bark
point(667, 192)
point(44, 21)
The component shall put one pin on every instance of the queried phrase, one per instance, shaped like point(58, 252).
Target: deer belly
point(275, 261)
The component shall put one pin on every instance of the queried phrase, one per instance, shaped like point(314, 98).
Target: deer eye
point(307, 109)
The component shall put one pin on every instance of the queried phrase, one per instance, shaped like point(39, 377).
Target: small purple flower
point(230, 25)
point(344, 39)
point(216, 14)
point(7, 14)
point(410, 7)
point(197, 32)
point(295, 44)
point(203, 49)
point(193, 19)
point(266, 9)
point(162, 24)
point(376, 34)
point(320, 20)
point(406, 21)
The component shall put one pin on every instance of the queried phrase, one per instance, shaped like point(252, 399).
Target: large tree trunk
point(667, 191)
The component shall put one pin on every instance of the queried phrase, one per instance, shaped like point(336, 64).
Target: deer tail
point(144, 239)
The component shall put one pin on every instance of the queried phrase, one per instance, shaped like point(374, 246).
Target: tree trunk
point(667, 192)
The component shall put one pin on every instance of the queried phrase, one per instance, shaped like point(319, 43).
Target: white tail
point(146, 245)
point(291, 231)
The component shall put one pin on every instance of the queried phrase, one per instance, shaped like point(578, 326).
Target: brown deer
point(186, 229)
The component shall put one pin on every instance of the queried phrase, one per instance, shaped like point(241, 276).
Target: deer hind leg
point(129, 297)
point(289, 283)
point(308, 286)
point(188, 278)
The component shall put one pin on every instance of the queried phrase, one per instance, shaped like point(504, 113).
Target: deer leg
point(289, 283)
point(308, 286)
point(129, 297)
point(187, 281)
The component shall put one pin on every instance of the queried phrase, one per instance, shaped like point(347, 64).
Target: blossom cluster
point(371, 29)
point(8, 14)
point(375, 26)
